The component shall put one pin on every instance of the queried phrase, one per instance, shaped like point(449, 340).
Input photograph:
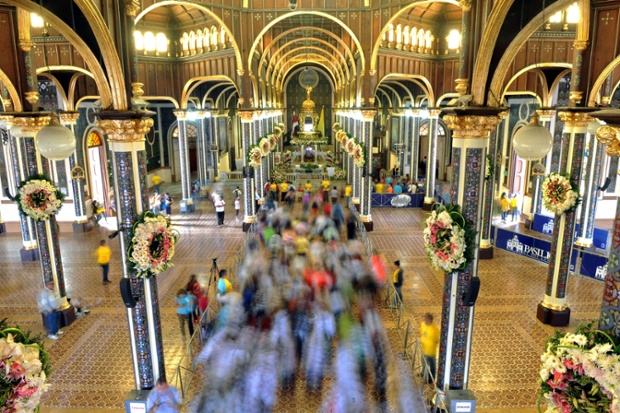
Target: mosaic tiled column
point(431, 159)
point(46, 230)
point(486, 248)
point(186, 177)
point(546, 117)
point(589, 199)
point(357, 172)
point(126, 132)
point(213, 140)
point(402, 139)
point(470, 131)
point(365, 138)
point(413, 142)
point(554, 310)
point(258, 134)
point(22, 167)
point(203, 153)
point(610, 309)
point(249, 188)
point(81, 223)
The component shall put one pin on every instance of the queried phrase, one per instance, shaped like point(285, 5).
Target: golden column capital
point(32, 97)
point(368, 115)
point(132, 7)
point(69, 118)
point(7, 103)
point(575, 118)
point(434, 113)
point(246, 115)
point(581, 44)
point(125, 130)
point(610, 136)
point(465, 5)
point(7, 119)
point(136, 89)
point(504, 115)
point(181, 114)
point(472, 126)
point(462, 85)
point(31, 125)
point(545, 114)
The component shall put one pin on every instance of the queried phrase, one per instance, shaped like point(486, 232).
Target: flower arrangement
point(152, 244)
point(309, 165)
point(254, 156)
point(288, 159)
point(277, 176)
point(24, 368)
point(560, 195)
point(329, 158)
point(341, 136)
point(265, 146)
point(580, 372)
point(273, 141)
point(449, 239)
point(359, 155)
point(336, 126)
point(340, 175)
point(38, 197)
point(350, 145)
point(490, 170)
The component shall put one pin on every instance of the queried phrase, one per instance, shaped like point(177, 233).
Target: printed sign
point(545, 224)
point(137, 407)
point(527, 246)
point(463, 407)
point(593, 266)
point(400, 201)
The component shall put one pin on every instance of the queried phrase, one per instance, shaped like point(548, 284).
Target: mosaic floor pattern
point(92, 362)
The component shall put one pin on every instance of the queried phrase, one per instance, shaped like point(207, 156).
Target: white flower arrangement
point(24, 367)
point(446, 239)
point(39, 198)
point(254, 157)
point(559, 193)
point(580, 372)
point(152, 244)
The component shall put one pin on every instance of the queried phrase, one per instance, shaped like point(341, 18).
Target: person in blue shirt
point(163, 398)
point(398, 189)
point(183, 312)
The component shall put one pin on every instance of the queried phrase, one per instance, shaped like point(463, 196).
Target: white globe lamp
point(55, 142)
point(593, 126)
point(533, 141)
point(16, 131)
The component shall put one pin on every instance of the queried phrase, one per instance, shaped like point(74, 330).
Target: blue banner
point(527, 246)
point(544, 225)
point(593, 266)
point(397, 200)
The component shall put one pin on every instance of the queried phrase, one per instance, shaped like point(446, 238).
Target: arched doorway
point(444, 148)
point(98, 186)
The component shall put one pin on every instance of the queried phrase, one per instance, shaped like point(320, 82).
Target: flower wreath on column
point(38, 197)
point(152, 244)
point(449, 239)
point(24, 369)
point(560, 194)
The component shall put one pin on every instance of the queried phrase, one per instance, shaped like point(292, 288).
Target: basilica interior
point(466, 102)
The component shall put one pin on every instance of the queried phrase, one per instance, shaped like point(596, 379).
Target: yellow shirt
point(325, 185)
point(348, 190)
point(379, 188)
point(103, 254)
point(513, 202)
point(156, 180)
point(308, 187)
point(505, 203)
point(283, 187)
point(301, 245)
point(429, 337)
point(273, 187)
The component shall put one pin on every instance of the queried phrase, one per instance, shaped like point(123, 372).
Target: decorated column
point(45, 216)
point(610, 310)
point(259, 133)
point(126, 132)
point(431, 159)
point(186, 184)
point(490, 161)
point(213, 145)
point(554, 310)
point(413, 141)
point(203, 153)
point(22, 166)
point(81, 223)
point(546, 117)
point(471, 128)
point(585, 237)
point(357, 171)
point(252, 157)
point(362, 157)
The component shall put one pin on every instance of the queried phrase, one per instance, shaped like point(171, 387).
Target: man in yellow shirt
point(103, 254)
point(283, 190)
point(156, 183)
point(308, 186)
point(380, 187)
point(429, 339)
point(325, 186)
point(348, 191)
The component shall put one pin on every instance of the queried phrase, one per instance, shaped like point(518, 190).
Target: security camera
point(292, 4)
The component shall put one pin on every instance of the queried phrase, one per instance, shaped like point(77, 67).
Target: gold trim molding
point(610, 136)
point(69, 118)
point(545, 114)
point(470, 126)
point(246, 116)
point(368, 115)
point(126, 130)
point(581, 45)
point(465, 5)
point(32, 97)
point(575, 118)
point(554, 307)
point(462, 85)
point(575, 96)
point(434, 113)
point(180, 114)
point(132, 7)
point(31, 124)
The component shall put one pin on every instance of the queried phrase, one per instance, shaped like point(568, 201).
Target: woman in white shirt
point(219, 210)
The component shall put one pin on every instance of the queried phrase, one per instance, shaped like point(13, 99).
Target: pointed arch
point(15, 100)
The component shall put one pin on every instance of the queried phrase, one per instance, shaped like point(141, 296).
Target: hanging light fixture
point(55, 142)
point(533, 141)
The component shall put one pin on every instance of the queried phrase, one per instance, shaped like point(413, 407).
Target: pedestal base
point(554, 318)
point(2, 227)
point(368, 225)
point(83, 226)
point(29, 255)
point(485, 253)
point(246, 226)
point(427, 207)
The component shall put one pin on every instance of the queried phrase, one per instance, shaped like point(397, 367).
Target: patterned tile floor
point(92, 360)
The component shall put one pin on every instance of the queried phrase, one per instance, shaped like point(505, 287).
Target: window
point(222, 36)
point(192, 42)
point(185, 42)
point(406, 36)
point(138, 40)
point(390, 33)
point(150, 45)
point(36, 20)
point(162, 42)
point(454, 39)
point(573, 13)
point(556, 18)
point(399, 34)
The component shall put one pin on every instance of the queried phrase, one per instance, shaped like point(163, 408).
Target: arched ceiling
point(175, 17)
point(433, 12)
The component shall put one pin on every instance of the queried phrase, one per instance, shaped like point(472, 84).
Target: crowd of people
point(395, 185)
point(301, 307)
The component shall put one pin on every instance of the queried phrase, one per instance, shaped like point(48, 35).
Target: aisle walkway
point(92, 363)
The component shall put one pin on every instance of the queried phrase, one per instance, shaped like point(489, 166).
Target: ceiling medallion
point(308, 78)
